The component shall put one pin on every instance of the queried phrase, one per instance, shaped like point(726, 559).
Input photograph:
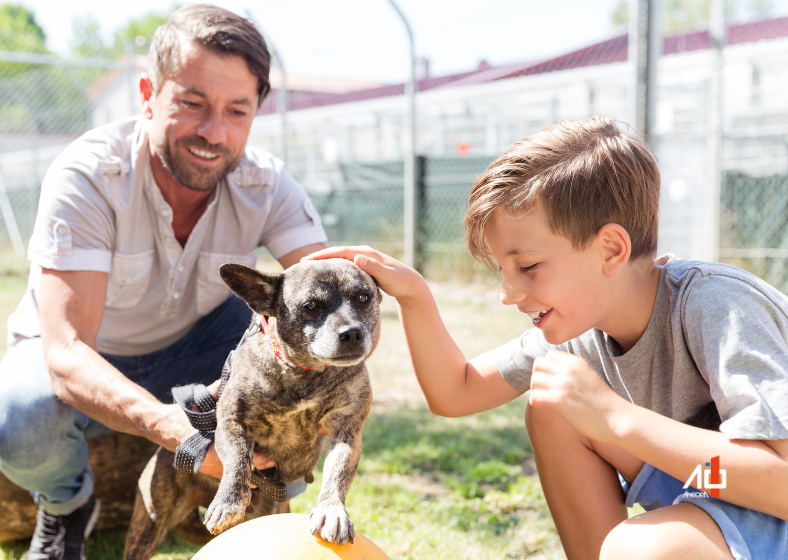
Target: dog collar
point(262, 324)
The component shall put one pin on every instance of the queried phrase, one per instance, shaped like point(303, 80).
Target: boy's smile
point(559, 287)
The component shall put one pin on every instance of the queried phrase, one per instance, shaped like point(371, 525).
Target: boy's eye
point(527, 269)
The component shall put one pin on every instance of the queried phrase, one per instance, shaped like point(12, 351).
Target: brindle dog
point(323, 314)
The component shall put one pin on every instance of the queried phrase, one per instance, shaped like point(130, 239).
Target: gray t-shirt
point(716, 333)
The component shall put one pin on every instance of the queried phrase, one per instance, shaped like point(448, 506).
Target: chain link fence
point(45, 103)
point(350, 160)
point(367, 208)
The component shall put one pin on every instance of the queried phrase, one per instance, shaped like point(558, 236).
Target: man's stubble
point(188, 173)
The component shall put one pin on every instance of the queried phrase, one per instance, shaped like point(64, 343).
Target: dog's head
point(325, 310)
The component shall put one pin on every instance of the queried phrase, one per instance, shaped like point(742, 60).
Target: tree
point(141, 28)
point(683, 15)
point(86, 39)
point(19, 32)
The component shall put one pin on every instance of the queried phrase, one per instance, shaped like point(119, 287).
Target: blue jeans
point(43, 446)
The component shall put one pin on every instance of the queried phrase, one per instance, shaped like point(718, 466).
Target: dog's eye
point(363, 298)
point(310, 306)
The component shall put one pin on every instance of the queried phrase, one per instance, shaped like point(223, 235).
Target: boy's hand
point(568, 385)
point(393, 277)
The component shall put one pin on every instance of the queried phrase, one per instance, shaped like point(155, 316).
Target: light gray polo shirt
point(101, 210)
point(716, 333)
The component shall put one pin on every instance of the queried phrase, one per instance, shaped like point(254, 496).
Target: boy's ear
point(258, 289)
point(616, 247)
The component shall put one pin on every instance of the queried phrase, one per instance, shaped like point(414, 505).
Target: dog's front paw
point(224, 514)
point(334, 521)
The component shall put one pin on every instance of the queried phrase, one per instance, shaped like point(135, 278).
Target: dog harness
point(191, 453)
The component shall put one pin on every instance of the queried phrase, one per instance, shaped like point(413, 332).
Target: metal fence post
point(645, 46)
point(410, 220)
point(714, 141)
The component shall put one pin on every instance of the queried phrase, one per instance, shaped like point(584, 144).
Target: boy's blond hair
point(582, 175)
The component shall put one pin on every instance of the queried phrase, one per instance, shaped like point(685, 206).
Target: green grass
point(431, 487)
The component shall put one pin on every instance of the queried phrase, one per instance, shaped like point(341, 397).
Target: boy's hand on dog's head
point(393, 277)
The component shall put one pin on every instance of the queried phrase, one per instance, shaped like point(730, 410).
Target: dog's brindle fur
point(277, 409)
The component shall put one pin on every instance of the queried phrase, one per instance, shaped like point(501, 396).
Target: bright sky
point(364, 39)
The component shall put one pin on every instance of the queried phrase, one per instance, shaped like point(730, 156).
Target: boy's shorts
point(750, 534)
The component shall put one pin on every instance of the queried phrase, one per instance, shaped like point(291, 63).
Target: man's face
point(202, 116)
point(542, 272)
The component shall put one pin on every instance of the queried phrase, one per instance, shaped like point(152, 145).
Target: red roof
point(604, 52)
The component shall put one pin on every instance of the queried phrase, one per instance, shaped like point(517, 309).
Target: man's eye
point(363, 298)
point(310, 306)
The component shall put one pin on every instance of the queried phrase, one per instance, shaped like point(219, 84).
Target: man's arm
point(294, 257)
point(71, 305)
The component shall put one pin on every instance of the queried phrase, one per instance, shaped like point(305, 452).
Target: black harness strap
point(191, 453)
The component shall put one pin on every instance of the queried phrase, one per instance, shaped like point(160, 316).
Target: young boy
point(631, 358)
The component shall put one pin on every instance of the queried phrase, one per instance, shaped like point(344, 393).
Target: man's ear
point(259, 290)
point(146, 96)
point(616, 247)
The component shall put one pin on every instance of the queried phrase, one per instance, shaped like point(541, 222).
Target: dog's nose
point(350, 336)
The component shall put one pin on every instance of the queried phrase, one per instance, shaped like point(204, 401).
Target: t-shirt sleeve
point(737, 336)
point(74, 229)
point(293, 221)
point(515, 359)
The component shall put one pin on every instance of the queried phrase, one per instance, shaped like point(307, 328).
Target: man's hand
point(212, 465)
point(567, 384)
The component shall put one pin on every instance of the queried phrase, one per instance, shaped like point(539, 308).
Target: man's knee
point(33, 435)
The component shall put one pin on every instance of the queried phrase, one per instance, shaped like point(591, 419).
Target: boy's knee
point(628, 540)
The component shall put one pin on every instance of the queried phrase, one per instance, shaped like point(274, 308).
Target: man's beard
point(188, 173)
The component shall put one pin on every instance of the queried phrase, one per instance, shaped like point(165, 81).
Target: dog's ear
point(259, 290)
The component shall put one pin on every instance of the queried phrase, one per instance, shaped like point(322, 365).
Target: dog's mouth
point(348, 359)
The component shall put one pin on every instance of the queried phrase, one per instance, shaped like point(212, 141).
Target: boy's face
point(562, 289)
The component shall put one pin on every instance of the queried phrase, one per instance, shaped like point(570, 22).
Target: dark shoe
point(62, 537)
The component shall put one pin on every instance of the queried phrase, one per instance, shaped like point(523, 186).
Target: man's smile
point(202, 153)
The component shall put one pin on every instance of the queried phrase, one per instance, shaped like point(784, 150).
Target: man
point(124, 300)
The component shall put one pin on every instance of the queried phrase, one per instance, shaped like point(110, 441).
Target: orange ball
point(284, 537)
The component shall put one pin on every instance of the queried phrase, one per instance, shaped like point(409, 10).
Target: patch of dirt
point(428, 486)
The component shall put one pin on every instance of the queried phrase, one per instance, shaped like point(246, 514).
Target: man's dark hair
point(216, 29)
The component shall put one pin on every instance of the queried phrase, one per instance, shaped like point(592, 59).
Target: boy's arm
point(757, 471)
point(452, 385)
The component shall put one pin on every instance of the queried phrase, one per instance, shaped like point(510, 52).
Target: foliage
point(19, 32)
point(683, 15)
point(142, 28)
point(87, 39)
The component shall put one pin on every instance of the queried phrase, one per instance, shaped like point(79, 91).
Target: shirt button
point(176, 295)
point(166, 212)
point(180, 268)
point(62, 229)
point(238, 176)
point(128, 279)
